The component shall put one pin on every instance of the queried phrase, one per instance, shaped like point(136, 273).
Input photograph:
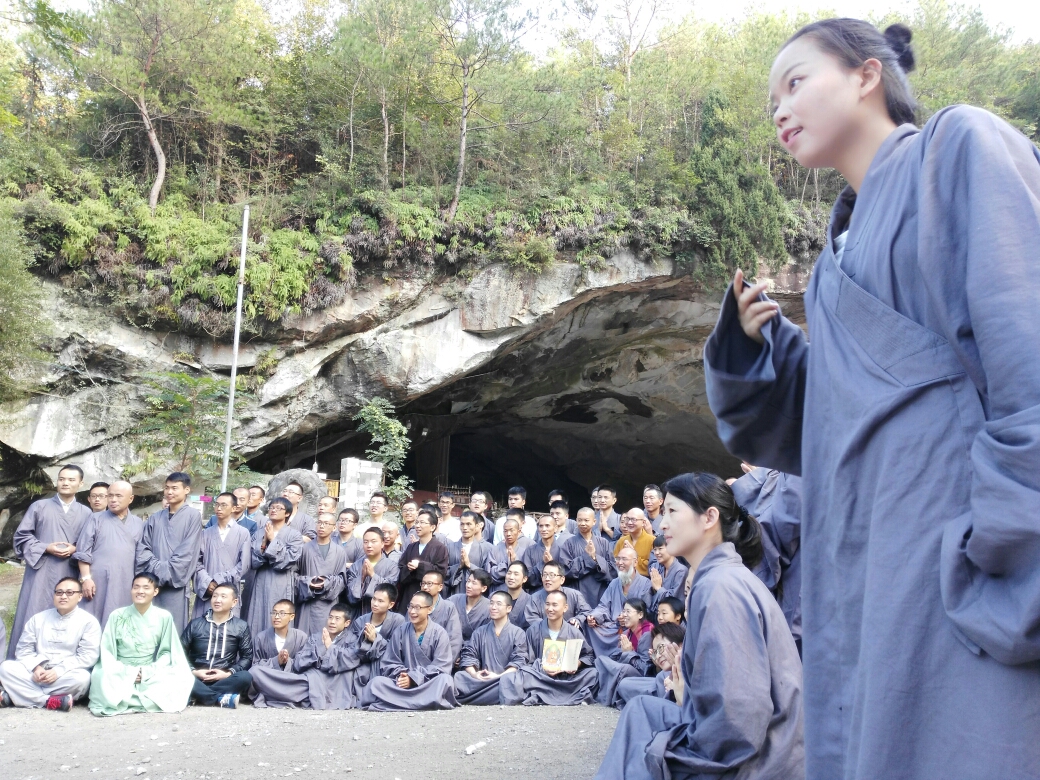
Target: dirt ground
point(548, 743)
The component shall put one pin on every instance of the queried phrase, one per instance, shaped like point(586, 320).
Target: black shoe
point(5, 699)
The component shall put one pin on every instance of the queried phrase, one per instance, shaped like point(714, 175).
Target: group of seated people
point(318, 592)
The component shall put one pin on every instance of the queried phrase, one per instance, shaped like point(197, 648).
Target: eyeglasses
point(417, 607)
point(68, 593)
point(282, 614)
point(548, 575)
point(431, 584)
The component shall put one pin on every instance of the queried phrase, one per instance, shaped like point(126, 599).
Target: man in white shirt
point(517, 499)
point(55, 652)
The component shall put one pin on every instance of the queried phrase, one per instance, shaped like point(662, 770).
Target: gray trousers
point(25, 692)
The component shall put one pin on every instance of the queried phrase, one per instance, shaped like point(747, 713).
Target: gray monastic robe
point(534, 609)
point(742, 705)
point(475, 618)
point(223, 562)
point(169, 549)
point(534, 559)
point(630, 687)
point(912, 419)
point(303, 523)
point(613, 669)
point(321, 678)
point(496, 653)
point(518, 616)
point(312, 606)
point(275, 575)
point(673, 583)
point(265, 648)
point(530, 685)
point(447, 617)
point(584, 574)
point(109, 545)
point(370, 653)
point(428, 665)
point(44, 523)
point(604, 635)
point(479, 555)
point(360, 589)
point(498, 560)
point(352, 547)
point(775, 499)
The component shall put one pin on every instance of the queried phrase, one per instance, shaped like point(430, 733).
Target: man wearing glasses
point(276, 646)
point(444, 613)
point(55, 651)
point(298, 519)
point(552, 580)
point(226, 556)
point(415, 670)
point(421, 557)
point(321, 579)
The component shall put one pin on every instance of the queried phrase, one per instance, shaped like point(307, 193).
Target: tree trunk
point(160, 156)
point(353, 94)
point(386, 141)
point(404, 138)
point(461, 173)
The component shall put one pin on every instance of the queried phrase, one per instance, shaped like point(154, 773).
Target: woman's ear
point(870, 76)
point(711, 518)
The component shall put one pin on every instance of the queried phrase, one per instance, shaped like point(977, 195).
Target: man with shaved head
point(105, 550)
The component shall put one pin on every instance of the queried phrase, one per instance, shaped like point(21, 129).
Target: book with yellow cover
point(559, 655)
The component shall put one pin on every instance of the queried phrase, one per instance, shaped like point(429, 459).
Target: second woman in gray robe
point(742, 708)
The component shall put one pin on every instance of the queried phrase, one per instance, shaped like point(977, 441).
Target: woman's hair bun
point(899, 37)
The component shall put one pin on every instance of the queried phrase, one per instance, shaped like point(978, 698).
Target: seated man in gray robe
point(372, 630)
point(276, 646)
point(57, 648)
point(322, 674)
point(667, 574)
point(472, 605)
point(602, 621)
point(415, 670)
point(444, 612)
point(370, 571)
point(516, 578)
point(552, 581)
point(532, 684)
point(497, 648)
point(321, 578)
point(631, 686)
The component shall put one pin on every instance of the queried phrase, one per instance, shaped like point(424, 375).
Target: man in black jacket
point(220, 651)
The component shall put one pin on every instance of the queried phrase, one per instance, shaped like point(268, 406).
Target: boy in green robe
point(143, 667)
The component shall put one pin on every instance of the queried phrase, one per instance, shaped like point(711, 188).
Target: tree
point(158, 54)
point(475, 35)
point(184, 427)
point(390, 445)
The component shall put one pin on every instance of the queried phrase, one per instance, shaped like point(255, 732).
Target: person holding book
point(561, 672)
point(632, 657)
point(738, 699)
point(496, 649)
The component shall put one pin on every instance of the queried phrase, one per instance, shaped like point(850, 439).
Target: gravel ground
point(519, 742)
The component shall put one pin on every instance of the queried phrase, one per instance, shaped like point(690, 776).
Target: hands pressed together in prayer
point(283, 657)
point(656, 580)
point(671, 653)
point(370, 632)
point(326, 638)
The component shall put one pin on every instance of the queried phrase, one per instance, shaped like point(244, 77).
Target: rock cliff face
point(573, 375)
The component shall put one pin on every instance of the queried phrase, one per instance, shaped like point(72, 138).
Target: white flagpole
point(234, 352)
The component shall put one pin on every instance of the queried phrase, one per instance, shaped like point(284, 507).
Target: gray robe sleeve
point(979, 232)
point(27, 545)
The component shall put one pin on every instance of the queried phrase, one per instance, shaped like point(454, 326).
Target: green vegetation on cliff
point(380, 137)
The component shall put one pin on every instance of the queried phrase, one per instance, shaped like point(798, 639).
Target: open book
point(561, 655)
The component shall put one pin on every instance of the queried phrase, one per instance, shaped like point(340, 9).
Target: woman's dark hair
point(638, 605)
point(854, 41)
point(701, 491)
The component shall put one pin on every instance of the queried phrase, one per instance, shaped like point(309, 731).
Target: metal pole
point(234, 351)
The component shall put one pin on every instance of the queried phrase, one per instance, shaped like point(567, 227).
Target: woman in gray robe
point(912, 413)
point(740, 704)
point(632, 658)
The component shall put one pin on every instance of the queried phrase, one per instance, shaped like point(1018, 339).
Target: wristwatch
point(84, 578)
